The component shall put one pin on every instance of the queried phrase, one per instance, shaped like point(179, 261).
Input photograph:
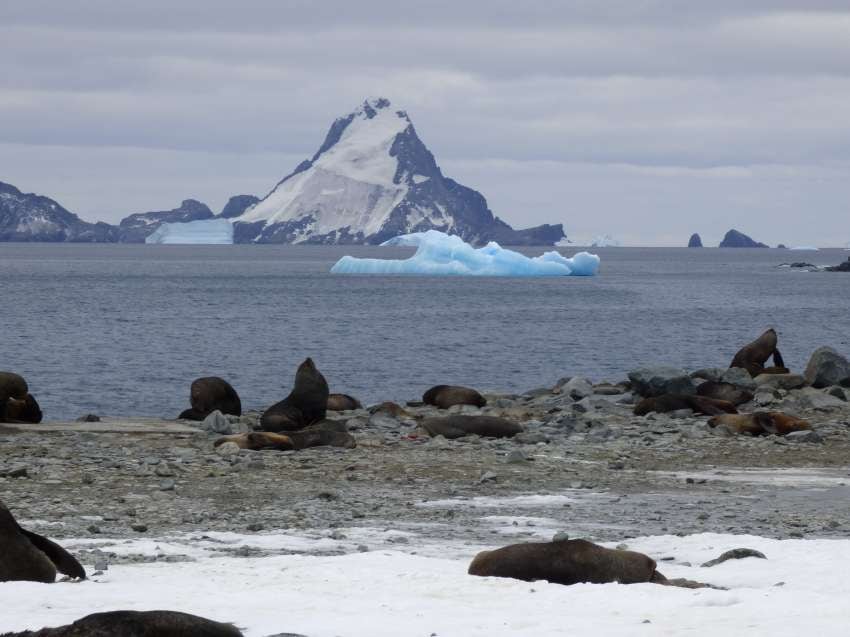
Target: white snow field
point(438, 253)
point(201, 232)
point(800, 589)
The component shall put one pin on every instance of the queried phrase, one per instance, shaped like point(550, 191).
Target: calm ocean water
point(124, 329)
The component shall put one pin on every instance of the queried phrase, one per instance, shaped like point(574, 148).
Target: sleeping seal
point(458, 426)
point(27, 556)
point(325, 433)
point(307, 402)
point(445, 396)
point(675, 402)
point(211, 393)
point(724, 391)
point(760, 423)
point(131, 623)
point(565, 562)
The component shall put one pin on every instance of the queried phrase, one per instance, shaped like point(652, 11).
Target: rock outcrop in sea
point(373, 179)
point(736, 239)
point(31, 217)
point(137, 227)
point(695, 241)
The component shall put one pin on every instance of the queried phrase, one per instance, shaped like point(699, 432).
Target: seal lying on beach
point(566, 562)
point(27, 556)
point(458, 426)
point(343, 402)
point(753, 356)
point(20, 410)
point(131, 623)
point(325, 433)
point(675, 402)
point(211, 393)
point(389, 408)
point(725, 391)
point(760, 423)
point(445, 396)
point(307, 402)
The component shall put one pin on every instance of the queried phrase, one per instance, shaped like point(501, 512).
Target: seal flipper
point(65, 562)
point(777, 359)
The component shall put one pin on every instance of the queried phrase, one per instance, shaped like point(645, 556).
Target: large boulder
point(827, 367)
point(661, 379)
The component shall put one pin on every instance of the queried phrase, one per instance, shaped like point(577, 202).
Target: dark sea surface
point(124, 329)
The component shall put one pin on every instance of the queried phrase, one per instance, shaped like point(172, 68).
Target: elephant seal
point(458, 426)
point(131, 623)
point(566, 562)
point(211, 393)
point(445, 396)
point(12, 385)
point(760, 423)
point(343, 402)
point(724, 391)
point(307, 402)
point(675, 402)
point(325, 433)
point(20, 410)
point(30, 557)
point(753, 356)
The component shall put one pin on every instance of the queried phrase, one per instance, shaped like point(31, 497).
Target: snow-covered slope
point(373, 179)
point(201, 232)
point(31, 217)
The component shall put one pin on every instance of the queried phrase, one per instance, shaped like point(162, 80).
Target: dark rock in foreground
point(841, 267)
point(827, 368)
point(695, 241)
point(31, 217)
point(735, 239)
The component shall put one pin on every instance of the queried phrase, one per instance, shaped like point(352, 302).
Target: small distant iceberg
point(810, 248)
point(605, 241)
point(201, 232)
point(439, 254)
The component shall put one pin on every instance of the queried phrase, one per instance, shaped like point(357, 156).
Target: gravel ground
point(618, 476)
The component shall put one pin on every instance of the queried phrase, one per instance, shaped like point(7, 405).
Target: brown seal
point(458, 426)
point(753, 356)
point(132, 623)
point(675, 402)
point(211, 393)
point(325, 433)
point(307, 402)
point(760, 423)
point(445, 396)
point(343, 402)
point(13, 385)
point(566, 562)
point(390, 409)
point(20, 410)
point(27, 556)
point(724, 391)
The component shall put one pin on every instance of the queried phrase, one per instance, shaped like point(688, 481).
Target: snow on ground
point(799, 589)
point(773, 476)
point(447, 255)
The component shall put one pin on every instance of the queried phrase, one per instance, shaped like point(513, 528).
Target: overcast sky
point(643, 119)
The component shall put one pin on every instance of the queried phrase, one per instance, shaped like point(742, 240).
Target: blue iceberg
point(201, 232)
point(439, 254)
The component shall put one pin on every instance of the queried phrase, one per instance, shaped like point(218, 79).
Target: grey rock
point(661, 379)
point(710, 373)
point(804, 436)
point(812, 398)
point(531, 438)
point(780, 381)
point(734, 554)
point(738, 377)
point(227, 449)
point(167, 485)
point(516, 457)
point(839, 392)
point(561, 536)
point(217, 423)
point(488, 476)
point(827, 367)
point(577, 388)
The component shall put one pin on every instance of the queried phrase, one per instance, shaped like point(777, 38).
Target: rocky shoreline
point(617, 475)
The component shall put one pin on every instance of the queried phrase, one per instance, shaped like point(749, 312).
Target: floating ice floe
point(203, 231)
point(440, 254)
point(605, 241)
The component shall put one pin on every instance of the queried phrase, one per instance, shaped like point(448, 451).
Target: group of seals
point(28, 556)
point(760, 423)
point(209, 394)
point(753, 356)
point(17, 405)
point(130, 623)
